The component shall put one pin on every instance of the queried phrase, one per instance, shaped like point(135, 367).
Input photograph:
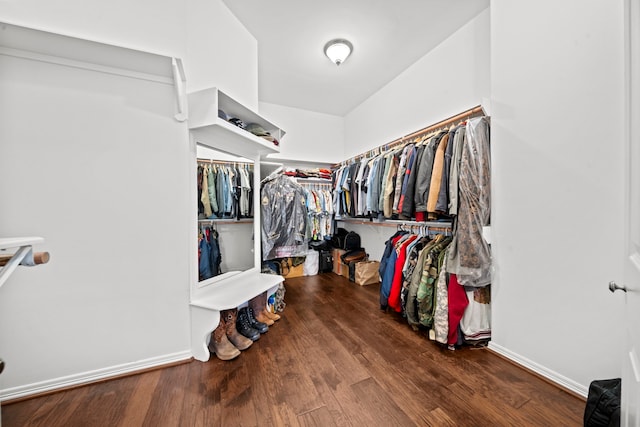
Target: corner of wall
point(214, 62)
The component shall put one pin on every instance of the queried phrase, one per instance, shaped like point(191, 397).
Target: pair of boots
point(255, 319)
point(259, 306)
point(226, 342)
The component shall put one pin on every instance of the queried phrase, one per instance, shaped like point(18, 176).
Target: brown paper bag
point(367, 273)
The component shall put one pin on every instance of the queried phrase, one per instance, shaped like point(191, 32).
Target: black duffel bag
point(603, 403)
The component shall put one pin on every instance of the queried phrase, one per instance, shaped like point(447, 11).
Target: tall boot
point(220, 345)
point(239, 341)
point(258, 305)
point(243, 325)
point(255, 324)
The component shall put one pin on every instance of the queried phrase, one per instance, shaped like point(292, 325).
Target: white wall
point(556, 104)
point(448, 80)
point(76, 171)
point(221, 52)
point(557, 140)
point(310, 136)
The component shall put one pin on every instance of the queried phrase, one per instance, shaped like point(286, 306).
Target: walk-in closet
point(345, 213)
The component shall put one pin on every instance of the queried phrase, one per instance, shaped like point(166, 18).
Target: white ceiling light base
point(338, 50)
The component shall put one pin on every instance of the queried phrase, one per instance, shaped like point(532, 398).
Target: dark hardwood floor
point(334, 359)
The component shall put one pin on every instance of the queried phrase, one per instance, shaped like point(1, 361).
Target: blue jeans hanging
point(204, 267)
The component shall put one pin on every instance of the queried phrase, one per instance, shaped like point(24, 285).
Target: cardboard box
point(297, 271)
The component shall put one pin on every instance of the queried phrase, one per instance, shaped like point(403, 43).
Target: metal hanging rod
point(223, 162)
point(471, 112)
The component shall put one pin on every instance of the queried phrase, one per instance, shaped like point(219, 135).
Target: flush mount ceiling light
point(338, 50)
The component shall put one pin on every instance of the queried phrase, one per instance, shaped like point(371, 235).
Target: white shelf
point(14, 242)
point(233, 288)
point(211, 131)
point(223, 292)
point(299, 163)
point(58, 47)
point(44, 46)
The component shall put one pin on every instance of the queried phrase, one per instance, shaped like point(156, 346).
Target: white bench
point(227, 291)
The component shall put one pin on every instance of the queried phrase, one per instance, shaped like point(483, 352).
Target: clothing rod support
point(13, 263)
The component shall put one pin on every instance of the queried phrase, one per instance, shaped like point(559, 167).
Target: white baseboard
point(91, 376)
point(541, 370)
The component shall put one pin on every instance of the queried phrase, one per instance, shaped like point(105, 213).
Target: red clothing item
point(396, 286)
point(458, 303)
point(421, 216)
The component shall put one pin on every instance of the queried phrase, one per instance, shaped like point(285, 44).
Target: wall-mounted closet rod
point(225, 221)
point(444, 123)
point(471, 112)
point(395, 223)
point(224, 162)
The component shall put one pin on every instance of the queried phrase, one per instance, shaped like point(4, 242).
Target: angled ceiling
point(387, 38)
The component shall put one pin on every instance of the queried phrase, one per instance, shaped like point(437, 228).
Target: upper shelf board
point(210, 130)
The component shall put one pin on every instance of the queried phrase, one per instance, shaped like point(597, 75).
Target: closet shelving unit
point(44, 46)
point(224, 220)
point(233, 288)
point(432, 225)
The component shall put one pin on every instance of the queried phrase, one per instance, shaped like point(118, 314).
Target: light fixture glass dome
point(338, 50)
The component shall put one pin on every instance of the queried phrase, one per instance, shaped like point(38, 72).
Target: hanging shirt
point(204, 198)
point(212, 189)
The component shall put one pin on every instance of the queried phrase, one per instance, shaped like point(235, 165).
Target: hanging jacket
point(396, 284)
point(426, 287)
point(405, 180)
point(408, 205)
point(423, 180)
point(470, 255)
point(284, 219)
point(442, 205)
point(436, 177)
point(386, 264)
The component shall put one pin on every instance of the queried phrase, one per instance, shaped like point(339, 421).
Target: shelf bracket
point(13, 263)
point(179, 86)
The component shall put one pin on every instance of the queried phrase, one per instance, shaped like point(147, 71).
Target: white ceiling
point(387, 36)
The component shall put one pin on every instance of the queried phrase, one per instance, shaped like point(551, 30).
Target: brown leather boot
point(220, 345)
point(239, 341)
point(258, 305)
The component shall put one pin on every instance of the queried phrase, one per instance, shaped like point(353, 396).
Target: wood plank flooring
point(334, 359)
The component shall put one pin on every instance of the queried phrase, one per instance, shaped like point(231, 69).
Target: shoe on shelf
point(243, 325)
point(255, 323)
point(220, 345)
point(236, 338)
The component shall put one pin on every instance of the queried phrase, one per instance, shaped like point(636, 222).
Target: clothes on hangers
point(320, 211)
point(209, 254)
point(415, 282)
point(284, 218)
point(470, 255)
point(418, 180)
point(224, 190)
